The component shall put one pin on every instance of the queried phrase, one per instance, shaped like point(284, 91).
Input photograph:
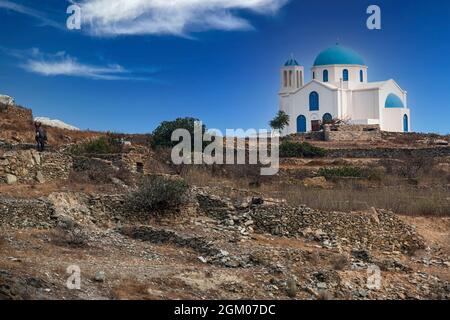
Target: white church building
point(340, 90)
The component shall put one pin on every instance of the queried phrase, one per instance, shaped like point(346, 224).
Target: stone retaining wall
point(381, 230)
point(29, 165)
point(389, 153)
point(352, 132)
point(26, 213)
point(56, 166)
point(136, 161)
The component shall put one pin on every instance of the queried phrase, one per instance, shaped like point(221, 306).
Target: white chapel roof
point(370, 85)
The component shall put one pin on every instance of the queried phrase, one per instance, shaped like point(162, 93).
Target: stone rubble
point(381, 230)
point(217, 236)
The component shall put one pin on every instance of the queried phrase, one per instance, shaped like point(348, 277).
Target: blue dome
point(338, 55)
point(291, 63)
point(393, 101)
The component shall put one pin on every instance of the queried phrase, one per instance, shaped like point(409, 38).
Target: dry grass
point(427, 196)
point(408, 200)
point(213, 177)
point(34, 190)
point(131, 289)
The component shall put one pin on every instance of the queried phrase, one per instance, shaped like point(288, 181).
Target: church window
point(361, 76)
point(290, 78)
point(313, 101)
point(325, 75)
point(314, 75)
point(285, 79)
point(345, 75)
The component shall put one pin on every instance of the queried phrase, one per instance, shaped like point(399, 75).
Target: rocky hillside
point(16, 125)
point(216, 248)
point(351, 221)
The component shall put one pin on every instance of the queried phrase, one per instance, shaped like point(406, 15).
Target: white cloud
point(62, 64)
point(68, 66)
point(173, 17)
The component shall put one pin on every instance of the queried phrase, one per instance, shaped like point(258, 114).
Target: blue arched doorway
point(301, 124)
point(405, 123)
point(327, 118)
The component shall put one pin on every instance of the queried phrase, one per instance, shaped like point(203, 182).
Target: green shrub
point(162, 135)
point(158, 193)
point(290, 149)
point(101, 145)
point(349, 172)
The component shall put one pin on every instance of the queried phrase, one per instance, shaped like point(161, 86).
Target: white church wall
point(298, 104)
point(365, 121)
point(286, 106)
point(335, 74)
point(365, 105)
point(344, 104)
point(391, 119)
point(391, 87)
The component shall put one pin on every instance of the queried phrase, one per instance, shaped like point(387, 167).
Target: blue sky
point(128, 69)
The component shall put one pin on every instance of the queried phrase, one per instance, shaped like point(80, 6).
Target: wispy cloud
point(171, 17)
point(62, 64)
point(68, 66)
point(157, 17)
point(38, 15)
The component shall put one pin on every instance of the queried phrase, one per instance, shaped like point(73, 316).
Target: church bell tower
point(292, 76)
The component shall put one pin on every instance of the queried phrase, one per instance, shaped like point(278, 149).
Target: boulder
point(100, 276)
point(440, 142)
point(40, 177)
point(36, 157)
point(291, 287)
point(55, 123)
point(9, 101)
point(11, 179)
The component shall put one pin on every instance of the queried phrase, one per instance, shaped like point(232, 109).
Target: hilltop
point(139, 227)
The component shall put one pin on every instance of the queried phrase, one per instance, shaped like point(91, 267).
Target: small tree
point(280, 121)
point(161, 137)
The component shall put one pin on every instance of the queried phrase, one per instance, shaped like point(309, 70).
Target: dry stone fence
point(351, 132)
point(24, 166)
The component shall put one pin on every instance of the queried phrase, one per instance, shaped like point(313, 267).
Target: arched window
point(290, 78)
point(314, 75)
point(301, 124)
point(361, 76)
point(327, 118)
point(325, 75)
point(285, 78)
point(313, 101)
point(345, 75)
point(393, 101)
point(405, 123)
